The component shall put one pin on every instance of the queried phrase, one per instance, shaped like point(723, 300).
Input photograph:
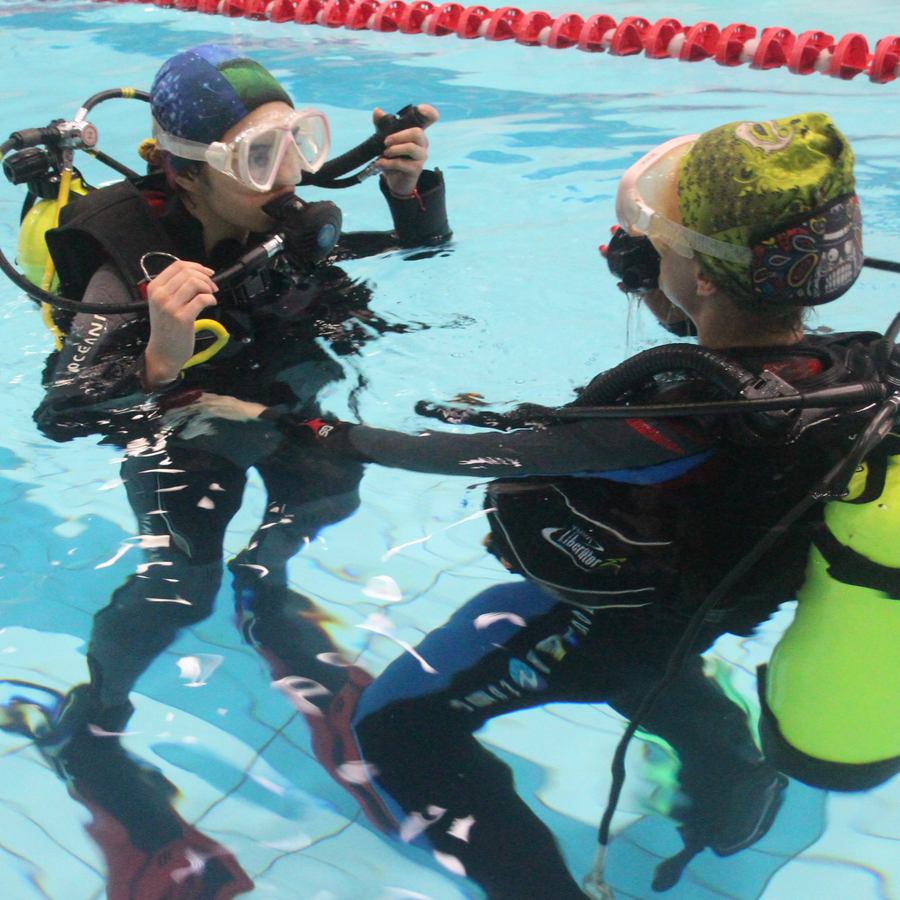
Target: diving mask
point(649, 190)
point(278, 149)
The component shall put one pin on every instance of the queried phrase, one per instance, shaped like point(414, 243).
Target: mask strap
point(681, 238)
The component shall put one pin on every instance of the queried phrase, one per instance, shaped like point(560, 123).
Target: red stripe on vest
point(648, 431)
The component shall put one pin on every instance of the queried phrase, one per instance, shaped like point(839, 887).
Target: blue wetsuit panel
point(457, 645)
point(653, 474)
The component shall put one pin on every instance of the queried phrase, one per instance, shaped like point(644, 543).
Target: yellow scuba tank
point(833, 683)
point(33, 258)
point(31, 252)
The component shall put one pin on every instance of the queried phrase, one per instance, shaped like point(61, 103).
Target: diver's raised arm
point(586, 447)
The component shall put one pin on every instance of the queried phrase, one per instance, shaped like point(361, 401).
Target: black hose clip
point(769, 424)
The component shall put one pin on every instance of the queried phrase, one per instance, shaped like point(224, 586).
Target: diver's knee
point(395, 731)
point(184, 594)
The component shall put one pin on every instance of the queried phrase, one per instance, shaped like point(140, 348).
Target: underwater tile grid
point(520, 308)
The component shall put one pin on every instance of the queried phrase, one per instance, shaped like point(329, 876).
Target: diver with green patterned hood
point(767, 211)
point(830, 693)
point(619, 528)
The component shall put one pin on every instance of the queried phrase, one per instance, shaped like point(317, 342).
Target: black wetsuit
point(617, 559)
point(185, 494)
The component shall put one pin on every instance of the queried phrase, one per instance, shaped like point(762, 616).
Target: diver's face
point(677, 277)
point(221, 202)
point(677, 273)
point(233, 204)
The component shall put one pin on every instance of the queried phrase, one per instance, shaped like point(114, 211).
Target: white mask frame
point(295, 141)
point(652, 179)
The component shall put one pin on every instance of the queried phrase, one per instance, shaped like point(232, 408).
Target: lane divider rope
point(733, 45)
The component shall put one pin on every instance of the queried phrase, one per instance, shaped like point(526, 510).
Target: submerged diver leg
point(151, 852)
point(306, 492)
point(183, 505)
point(286, 628)
point(730, 795)
point(143, 618)
point(416, 733)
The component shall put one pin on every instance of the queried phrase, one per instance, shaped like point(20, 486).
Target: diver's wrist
point(407, 195)
point(158, 375)
point(401, 188)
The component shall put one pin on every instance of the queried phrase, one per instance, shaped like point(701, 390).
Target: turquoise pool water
point(532, 142)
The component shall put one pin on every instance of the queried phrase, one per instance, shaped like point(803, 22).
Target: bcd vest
point(114, 223)
point(607, 543)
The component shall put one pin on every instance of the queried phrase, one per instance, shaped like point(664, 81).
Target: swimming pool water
point(532, 143)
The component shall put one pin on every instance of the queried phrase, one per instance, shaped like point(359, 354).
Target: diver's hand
point(193, 418)
point(224, 407)
point(525, 415)
point(197, 416)
point(176, 297)
point(405, 153)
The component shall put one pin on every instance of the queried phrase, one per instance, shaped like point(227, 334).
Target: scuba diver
point(627, 510)
point(229, 149)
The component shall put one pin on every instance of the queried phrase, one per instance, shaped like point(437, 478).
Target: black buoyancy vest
point(585, 536)
point(114, 223)
point(614, 543)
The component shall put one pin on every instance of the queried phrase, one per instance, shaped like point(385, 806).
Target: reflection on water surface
point(518, 309)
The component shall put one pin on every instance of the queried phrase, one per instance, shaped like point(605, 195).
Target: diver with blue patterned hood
point(620, 528)
point(228, 143)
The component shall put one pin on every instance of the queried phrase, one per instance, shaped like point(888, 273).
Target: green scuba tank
point(833, 683)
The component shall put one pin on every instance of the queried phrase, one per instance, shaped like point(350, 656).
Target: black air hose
point(332, 170)
point(607, 388)
point(371, 148)
point(611, 385)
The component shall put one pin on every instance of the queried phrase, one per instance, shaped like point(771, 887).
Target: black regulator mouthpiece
point(309, 230)
point(634, 261)
point(304, 234)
